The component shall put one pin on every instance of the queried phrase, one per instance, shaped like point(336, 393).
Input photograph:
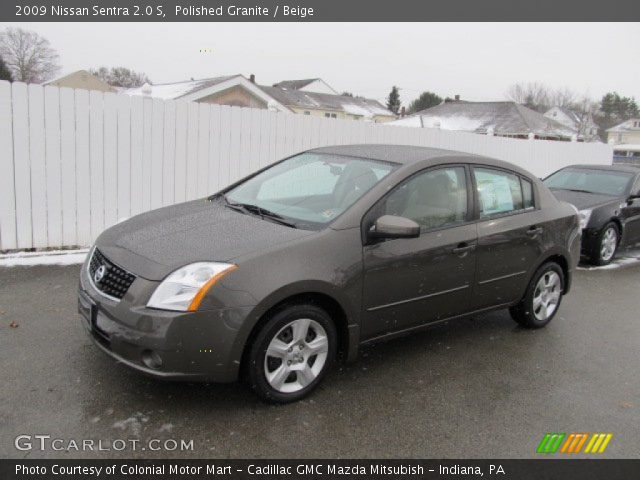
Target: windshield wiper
point(264, 213)
point(578, 190)
point(256, 210)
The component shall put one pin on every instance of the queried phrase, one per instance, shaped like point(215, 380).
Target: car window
point(605, 182)
point(307, 179)
point(499, 192)
point(434, 199)
point(310, 189)
point(527, 193)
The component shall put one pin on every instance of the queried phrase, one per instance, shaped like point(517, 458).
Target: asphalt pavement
point(475, 388)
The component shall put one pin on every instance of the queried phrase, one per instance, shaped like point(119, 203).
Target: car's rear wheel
point(542, 298)
point(291, 353)
point(607, 245)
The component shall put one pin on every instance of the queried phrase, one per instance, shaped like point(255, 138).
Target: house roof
point(295, 84)
point(626, 126)
point(84, 75)
point(171, 91)
point(571, 115)
point(194, 90)
point(504, 118)
point(359, 106)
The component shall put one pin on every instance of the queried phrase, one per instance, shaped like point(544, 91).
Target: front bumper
point(195, 346)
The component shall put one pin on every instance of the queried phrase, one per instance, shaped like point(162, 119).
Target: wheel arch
point(562, 261)
point(335, 308)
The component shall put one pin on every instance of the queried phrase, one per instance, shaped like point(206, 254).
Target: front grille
point(114, 281)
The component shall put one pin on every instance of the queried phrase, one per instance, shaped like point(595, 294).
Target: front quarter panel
point(327, 263)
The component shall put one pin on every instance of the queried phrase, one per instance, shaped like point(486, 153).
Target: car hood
point(582, 200)
point(154, 244)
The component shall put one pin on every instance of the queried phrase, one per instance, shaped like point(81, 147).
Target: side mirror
point(392, 226)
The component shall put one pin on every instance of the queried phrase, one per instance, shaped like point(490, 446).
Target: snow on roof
point(627, 147)
point(504, 118)
point(170, 91)
point(295, 84)
point(625, 126)
point(358, 106)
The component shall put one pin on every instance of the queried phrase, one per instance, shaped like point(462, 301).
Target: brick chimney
point(252, 78)
point(457, 97)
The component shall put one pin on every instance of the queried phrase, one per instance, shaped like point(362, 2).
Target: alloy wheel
point(296, 355)
point(546, 296)
point(608, 244)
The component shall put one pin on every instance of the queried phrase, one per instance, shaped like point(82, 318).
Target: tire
point(291, 353)
point(542, 299)
point(606, 245)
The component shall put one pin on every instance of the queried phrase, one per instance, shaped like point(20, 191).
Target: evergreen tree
point(424, 101)
point(393, 100)
point(5, 74)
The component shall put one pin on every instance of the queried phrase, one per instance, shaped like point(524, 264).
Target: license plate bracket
point(88, 309)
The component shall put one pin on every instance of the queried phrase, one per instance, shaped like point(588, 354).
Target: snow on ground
point(624, 258)
point(53, 257)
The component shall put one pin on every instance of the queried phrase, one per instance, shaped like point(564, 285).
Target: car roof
point(402, 154)
point(614, 168)
point(408, 155)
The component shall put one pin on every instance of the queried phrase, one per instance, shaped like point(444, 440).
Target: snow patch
point(132, 424)
point(624, 258)
point(53, 257)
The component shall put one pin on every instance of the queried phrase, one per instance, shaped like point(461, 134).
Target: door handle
point(463, 248)
point(535, 231)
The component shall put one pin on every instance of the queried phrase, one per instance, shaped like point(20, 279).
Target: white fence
point(73, 162)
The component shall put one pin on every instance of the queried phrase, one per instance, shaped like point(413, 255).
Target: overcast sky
point(478, 61)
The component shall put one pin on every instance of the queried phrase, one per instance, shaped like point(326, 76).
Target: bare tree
point(28, 56)
point(563, 97)
point(120, 77)
point(533, 95)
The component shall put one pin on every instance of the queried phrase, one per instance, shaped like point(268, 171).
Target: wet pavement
point(473, 388)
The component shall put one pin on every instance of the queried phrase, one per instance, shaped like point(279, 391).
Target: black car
point(608, 198)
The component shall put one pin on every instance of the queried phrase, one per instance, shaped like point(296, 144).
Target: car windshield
point(308, 190)
point(605, 182)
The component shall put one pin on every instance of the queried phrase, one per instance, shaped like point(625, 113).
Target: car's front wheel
point(542, 298)
point(607, 245)
point(291, 353)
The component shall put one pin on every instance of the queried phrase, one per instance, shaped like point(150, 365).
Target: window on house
point(307, 112)
point(328, 115)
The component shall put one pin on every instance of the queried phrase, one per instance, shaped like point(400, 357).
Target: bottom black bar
point(541, 469)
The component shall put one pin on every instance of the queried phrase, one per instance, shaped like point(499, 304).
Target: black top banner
point(317, 10)
point(318, 469)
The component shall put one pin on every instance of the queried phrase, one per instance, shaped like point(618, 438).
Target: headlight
point(185, 288)
point(584, 215)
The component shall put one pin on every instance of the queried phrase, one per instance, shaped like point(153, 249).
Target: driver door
point(413, 281)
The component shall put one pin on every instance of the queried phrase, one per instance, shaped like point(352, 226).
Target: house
point(234, 90)
point(581, 123)
point(328, 105)
point(625, 133)
point(501, 119)
point(306, 97)
point(81, 79)
point(316, 85)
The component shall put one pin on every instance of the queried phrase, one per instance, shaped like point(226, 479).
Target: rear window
point(499, 192)
point(527, 193)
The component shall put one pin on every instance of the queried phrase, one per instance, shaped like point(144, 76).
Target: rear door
point(412, 281)
point(510, 235)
